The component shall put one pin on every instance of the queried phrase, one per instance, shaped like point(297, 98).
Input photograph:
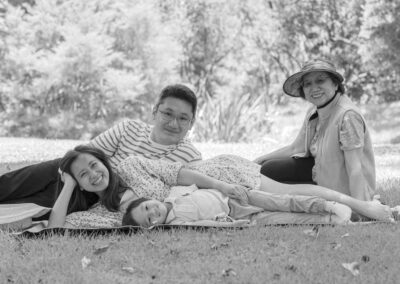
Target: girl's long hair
point(82, 200)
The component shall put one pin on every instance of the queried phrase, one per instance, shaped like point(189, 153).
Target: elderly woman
point(173, 114)
point(333, 148)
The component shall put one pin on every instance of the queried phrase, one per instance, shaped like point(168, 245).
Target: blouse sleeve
point(165, 171)
point(352, 131)
point(137, 170)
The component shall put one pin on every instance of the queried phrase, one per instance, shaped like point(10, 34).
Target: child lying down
point(208, 207)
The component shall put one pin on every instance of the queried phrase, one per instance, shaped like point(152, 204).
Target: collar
point(165, 146)
point(171, 215)
point(328, 102)
point(325, 111)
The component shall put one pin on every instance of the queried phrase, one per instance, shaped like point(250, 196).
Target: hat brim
point(292, 84)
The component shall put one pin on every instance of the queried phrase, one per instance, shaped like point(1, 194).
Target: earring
point(81, 188)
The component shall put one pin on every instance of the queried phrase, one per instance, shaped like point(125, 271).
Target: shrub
point(237, 119)
point(68, 65)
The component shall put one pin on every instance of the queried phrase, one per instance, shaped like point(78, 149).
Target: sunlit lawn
point(252, 255)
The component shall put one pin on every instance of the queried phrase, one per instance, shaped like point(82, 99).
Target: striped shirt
point(132, 137)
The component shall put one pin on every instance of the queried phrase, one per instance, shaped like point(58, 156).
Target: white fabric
point(191, 204)
point(22, 213)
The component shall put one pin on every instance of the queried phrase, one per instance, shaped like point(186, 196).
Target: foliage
point(380, 53)
point(327, 29)
point(240, 118)
point(71, 69)
point(68, 66)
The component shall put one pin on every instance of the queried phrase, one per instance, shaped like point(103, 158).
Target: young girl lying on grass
point(86, 168)
point(208, 207)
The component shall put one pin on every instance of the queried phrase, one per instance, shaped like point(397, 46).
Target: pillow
point(19, 216)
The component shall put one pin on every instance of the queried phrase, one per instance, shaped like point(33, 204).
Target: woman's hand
point(67, 179)
point(236, 191)
point(260, 160)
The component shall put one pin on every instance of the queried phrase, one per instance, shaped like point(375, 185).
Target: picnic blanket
point(39, 229)
point(98, 220)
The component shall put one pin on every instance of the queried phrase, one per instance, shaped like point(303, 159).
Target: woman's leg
point(35, 183)
point(289, 170)
point(372, 209)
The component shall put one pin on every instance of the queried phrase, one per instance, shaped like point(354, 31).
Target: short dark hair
point(180, 92)
point(128, 219)
point(335, 80)
point(82, 200)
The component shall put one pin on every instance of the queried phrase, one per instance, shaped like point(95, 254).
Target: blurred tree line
point(73, 68)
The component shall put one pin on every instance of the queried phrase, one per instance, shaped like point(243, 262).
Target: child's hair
point(127, 219)
point(82, 200)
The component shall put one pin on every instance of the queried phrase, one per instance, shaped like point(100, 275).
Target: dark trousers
point(36, 183)
point(39, 184)
point(289, 170)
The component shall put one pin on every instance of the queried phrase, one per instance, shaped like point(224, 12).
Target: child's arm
point(59, 211)
point(189, 177)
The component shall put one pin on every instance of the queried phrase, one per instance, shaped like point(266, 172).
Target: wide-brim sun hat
point(292, 84)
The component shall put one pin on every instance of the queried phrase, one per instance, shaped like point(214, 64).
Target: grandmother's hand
point(259, 160)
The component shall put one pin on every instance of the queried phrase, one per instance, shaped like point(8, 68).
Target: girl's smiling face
point(90, 173)
point(150, 213)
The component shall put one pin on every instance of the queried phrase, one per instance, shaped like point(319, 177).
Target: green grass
point(254, 255)
point(251, 255)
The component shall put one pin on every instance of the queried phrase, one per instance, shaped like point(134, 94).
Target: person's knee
point(271, 168)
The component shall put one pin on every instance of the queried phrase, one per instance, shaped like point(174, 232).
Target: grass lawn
point(252, 255)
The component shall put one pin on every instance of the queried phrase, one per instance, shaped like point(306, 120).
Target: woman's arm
point(59, 211)
point(297, 146)
point(352, 136)
point(189, 177)
point(357, 182)
point(284, 152)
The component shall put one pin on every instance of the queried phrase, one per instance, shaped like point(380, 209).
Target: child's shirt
point(190, 204)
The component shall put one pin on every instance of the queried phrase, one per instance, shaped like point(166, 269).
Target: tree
point(329, 29)
point(72, 68)
point(380, 53)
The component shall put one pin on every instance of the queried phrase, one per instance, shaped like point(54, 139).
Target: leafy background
point(71, 69)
